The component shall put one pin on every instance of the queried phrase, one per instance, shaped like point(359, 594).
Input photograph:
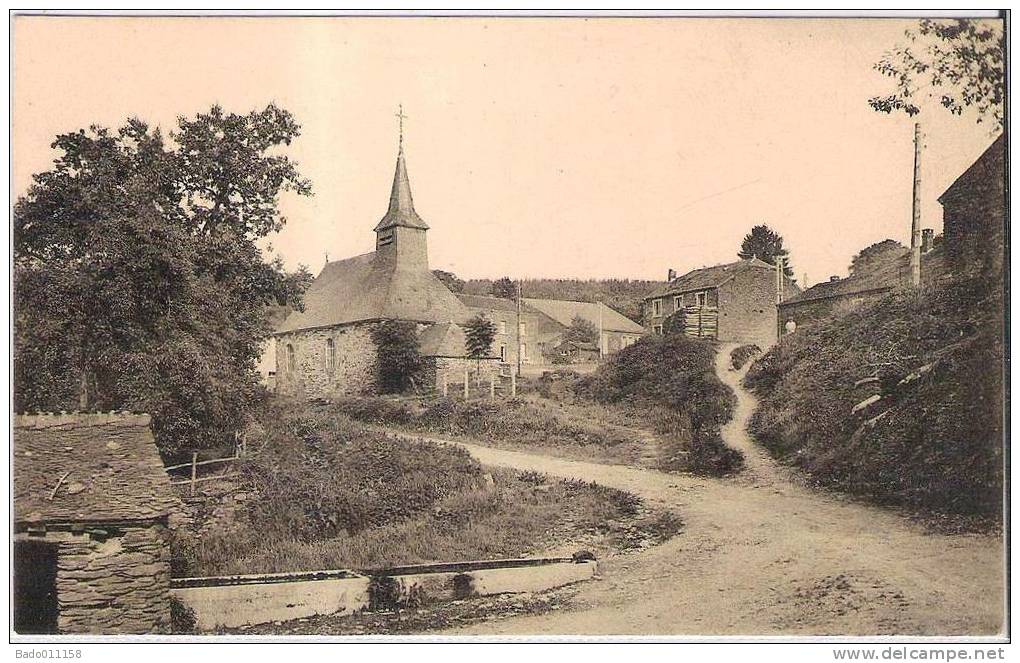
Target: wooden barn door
point(35, 587)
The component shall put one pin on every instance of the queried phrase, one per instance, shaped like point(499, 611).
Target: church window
point(290, 357)
point(330, 356)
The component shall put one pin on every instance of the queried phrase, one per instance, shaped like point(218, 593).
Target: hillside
point(899, 402)
point(624, 295)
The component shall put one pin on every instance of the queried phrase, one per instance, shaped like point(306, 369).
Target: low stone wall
point(119, 585)
point(232, 601)
point(237, 601)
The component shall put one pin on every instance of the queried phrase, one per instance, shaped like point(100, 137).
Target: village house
point(91, 508)
point(732, 303)
point(972, 242)
point(974, 214)
point(328, 348)
point(616, 331)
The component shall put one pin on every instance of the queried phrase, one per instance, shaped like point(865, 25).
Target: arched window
point(330, 356)
point(290, 358)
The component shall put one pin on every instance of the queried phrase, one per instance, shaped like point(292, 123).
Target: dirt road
point(764, 555)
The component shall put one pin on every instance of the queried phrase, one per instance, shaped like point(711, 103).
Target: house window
point(524, 352)
point(502, 350)
point(502, 326)
point(524, 328)
point(678, 302)
point(330, 356)
point(290, 358)
point(656, 307)
point(702, 298)
point(657, 329)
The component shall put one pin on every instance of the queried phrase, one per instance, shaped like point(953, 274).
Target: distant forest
point(624, 295)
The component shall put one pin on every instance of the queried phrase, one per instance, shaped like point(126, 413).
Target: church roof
point(362, 288)
point(401, 211)
point(564, 313)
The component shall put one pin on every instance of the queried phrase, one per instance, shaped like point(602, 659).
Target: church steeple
point(401, 211)
point(400, 234)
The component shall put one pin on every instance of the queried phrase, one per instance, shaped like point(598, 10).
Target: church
point(328, 349)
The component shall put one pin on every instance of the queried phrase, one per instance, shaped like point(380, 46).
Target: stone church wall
point(353, 372)
point(118, 585)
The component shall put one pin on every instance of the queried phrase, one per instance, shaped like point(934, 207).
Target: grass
point(326, 493)
point(933, 442)
point(526, 423)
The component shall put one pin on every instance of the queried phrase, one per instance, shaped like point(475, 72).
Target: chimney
point(927, 239)
point(833, 279)
point(670, 275)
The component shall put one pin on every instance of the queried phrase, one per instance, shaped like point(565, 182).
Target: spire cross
point(401, 117)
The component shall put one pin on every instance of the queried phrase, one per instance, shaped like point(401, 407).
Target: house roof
point(989, 166)
point(401, 210)
point(884, 271)
point(363, 288)
point(444, 339)
point(709, 277)
point(488, 302)
point(564, 313)
point(88, 468)
point(580, 345)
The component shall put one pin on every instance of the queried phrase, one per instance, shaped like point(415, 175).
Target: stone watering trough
point(232, 601)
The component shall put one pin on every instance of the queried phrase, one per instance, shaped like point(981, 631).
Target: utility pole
point(780, 265)
point(915, 227)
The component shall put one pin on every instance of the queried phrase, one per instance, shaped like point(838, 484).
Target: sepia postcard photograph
point(510, 326)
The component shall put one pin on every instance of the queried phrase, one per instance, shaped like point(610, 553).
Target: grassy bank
point(932, 442)
point(322, 492)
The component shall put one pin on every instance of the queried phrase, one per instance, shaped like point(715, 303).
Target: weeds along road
point(764, 555)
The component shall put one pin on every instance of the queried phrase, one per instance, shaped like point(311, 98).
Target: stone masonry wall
point(747, 308)
point(120, 585)
point(354, 371)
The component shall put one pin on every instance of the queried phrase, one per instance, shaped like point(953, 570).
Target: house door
point(35, 587)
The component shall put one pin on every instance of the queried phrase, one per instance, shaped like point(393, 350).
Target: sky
point(548, 147)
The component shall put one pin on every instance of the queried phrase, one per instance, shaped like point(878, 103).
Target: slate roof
point(988, 167)
point(709, 277)
point(443, 340)
point(884, 272)
point(362, 288)
point(401, 210)
point(488, 302)
point(564, 313)
point(113, 470)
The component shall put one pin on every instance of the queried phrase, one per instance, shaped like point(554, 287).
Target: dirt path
point(765, 555)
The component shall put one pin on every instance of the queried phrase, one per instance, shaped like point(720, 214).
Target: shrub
point(182, 617)
point(937, 446)
point(739, 356)
point(397, 355)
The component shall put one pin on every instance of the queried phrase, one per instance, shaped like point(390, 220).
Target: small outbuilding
point(91, 541)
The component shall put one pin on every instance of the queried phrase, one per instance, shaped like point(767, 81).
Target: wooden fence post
point(467, 376)
point(194, 470)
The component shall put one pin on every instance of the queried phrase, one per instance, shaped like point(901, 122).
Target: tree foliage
point(479, 333)
point(504, 288)
point(623, 295)
point(450, 280)
point(138, 282)
point(765, 244)
point(869, 256)
point(582, 330)
point(959, 61)
point(398, 356)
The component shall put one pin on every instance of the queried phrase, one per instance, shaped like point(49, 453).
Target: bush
point(182, 617)
point(739, 356)
point(937, 446)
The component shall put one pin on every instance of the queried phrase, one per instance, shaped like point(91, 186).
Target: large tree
point(582, 330)
point(765, 244)
point(450, 280)
point(958, 61)
point(479, 332)
point(138, 281)
point(504, 288)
